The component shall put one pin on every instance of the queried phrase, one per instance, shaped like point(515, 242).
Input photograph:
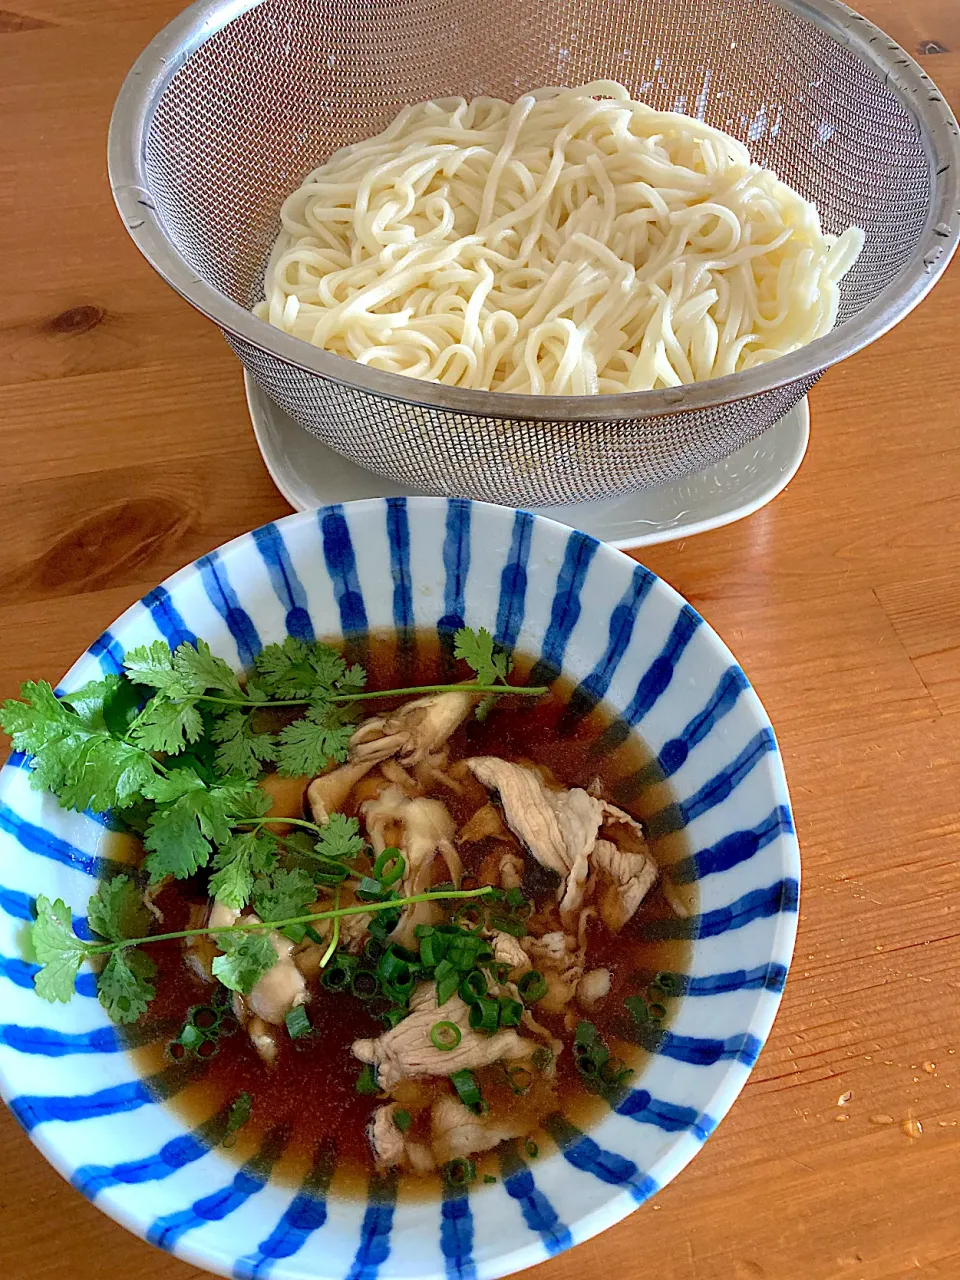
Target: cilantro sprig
point(174, 746)
point(97, 749)
point(124, 984)
point(492, 665)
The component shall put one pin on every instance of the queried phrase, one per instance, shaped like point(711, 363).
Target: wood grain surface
point(126, 451)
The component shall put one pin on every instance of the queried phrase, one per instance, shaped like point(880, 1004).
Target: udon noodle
point(572, 243)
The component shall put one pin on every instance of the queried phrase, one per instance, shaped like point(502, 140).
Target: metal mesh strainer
point(236, 100)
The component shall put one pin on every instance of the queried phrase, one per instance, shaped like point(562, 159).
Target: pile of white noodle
point(572, 243)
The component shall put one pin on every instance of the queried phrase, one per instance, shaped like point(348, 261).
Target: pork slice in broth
point(406, 1051)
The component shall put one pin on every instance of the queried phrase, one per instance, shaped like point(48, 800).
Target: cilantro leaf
point(176, 845)
point(300, 844)
point(249, 801)
point(340, 838)
point(353, 680)
point(476, 649)
point(200, 669)
point(174, 784)
point(256, 692)
point(117, 911)
point(247, 956)
point(111, 704)
point(179, 834)
point(84, 767)
point(40, 719)
point(296, 669)
point(485, 706)
point(285, 895)
point(241, 751)
point(124, 986)
point(58, 949)
point(309, 745)
point(103, 774)
point(153, 665)
point(237, 862)
point(167, 726)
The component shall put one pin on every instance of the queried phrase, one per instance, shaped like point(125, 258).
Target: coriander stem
point(335, 936)
point(359, 909)
point(293, 822)
point(526, 691)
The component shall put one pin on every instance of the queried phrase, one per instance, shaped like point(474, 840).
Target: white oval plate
point(308, 474)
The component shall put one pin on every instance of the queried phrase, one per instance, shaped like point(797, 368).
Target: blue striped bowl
point(624, 636)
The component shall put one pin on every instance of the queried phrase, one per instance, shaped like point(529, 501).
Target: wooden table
point(125, 451)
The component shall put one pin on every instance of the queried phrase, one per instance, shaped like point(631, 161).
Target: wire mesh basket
point(236, 100)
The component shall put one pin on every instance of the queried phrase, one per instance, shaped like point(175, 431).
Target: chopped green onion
point(191, 1037)
point(463, 951)
point(312, 934)
point(520, 1079)
point(658, 1012)
point(238, 1116)
point(295, 932)
point(445, 1036)
point(374, 950)
point(515, 897)
point(424, 930)
point(484, 1015)
point(338, 976)
point(393, 1016)
point(473, 986)
point(383, 923)
point(671, 984)
point(469, 917)
point(332, 877)
point(389, 867)
point(395, 995)
point(532, 986)
point(489, 1178)
point(504, 924)
point(298, 1024)
point(637, 1008)
point(511, 1012)
point(402, 1120)
point(542, 1057)
point(467, 1088)
point(615, 1071)
point(586, 1035)
point(446, 986)
point(365, 984)
point(395, 971)
point(531, 1148)
point(369, 890)
point(433, 948)
point(459, 1172)
point(367, 1081)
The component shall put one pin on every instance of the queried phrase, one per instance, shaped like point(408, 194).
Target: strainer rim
point(172, 47)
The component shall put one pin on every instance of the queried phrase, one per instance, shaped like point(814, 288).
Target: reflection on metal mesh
point(277, 90)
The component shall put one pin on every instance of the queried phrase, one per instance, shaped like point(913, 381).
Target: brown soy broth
point(309, 1093)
